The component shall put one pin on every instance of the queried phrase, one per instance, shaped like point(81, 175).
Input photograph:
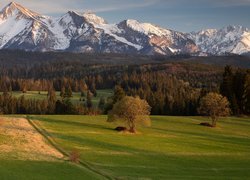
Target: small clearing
point(20, 141)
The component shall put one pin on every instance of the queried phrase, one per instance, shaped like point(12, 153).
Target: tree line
point(169, 88)
point(236, 87)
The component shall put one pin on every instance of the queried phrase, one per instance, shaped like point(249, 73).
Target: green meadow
point(172, 148)
point(40, 95)
point(40, 170)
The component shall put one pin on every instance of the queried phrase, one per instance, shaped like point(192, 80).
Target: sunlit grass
point(173, 148)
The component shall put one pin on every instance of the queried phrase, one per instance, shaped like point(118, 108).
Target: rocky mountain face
point(21, 28)
point(231, 39)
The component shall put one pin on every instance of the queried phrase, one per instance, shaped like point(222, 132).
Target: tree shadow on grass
point(210, 136)
point(73, 123)
point(88, 141)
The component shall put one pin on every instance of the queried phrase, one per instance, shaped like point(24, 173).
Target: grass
point(75, 99)
point(40, 170)
point(18, 162)
point(173, 148)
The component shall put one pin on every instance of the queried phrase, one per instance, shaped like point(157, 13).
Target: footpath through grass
point(173, 148)
point(25, 154)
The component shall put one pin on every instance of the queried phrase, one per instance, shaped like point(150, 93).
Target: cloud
point(203, 3)
point(125, 6)
point(62, 6)
point(231, 2)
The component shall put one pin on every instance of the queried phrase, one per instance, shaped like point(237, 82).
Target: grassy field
point(173, 148)
point(41, 170)
point(24, 154)
point(75, 99)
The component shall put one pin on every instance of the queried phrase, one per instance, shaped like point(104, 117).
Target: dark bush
point(206, 124)
point(119, 128)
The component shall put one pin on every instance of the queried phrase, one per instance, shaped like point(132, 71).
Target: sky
point(181, 15)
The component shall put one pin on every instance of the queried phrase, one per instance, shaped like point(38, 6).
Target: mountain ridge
point(21, 28)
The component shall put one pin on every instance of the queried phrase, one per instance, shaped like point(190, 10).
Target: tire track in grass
point(81, 164)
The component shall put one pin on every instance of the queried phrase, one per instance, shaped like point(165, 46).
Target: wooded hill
point(171, 85)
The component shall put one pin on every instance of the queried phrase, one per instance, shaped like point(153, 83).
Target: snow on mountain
point(18, 10)
point(231, 39)
point(243, 46)
point(147, 28)
point(7, 33)
point(21, 28)
point(93, 18)
point(156, 40)
point(113, 30)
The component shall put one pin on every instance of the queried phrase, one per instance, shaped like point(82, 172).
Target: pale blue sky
point(182, 15)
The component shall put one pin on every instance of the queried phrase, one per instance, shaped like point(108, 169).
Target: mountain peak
point(231, 28)
point(13, 3)
point(73, 12)
point(229, 39)
point(146, 28)
point(12, 6)
point(93, 18)
point(15, 8)
point(89, 17)
point(21, 28)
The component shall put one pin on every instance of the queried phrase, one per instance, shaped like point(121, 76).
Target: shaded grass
point(173, 148)
point(23, 170)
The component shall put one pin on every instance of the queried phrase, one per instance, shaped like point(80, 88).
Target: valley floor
point(172, 148)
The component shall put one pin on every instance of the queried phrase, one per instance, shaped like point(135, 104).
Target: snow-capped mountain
point(231, 39)
point(21, 28)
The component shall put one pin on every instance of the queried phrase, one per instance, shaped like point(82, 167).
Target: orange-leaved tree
point(131, 110)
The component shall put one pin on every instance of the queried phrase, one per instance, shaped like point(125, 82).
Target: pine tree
point(89, 103)
point(51, 101)
point(227, 89)
point(246, 95)
point(101, 104)
point(68, 92)
point(62, 93)
point(118, 94)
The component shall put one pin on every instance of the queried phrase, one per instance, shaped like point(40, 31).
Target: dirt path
point(19, 140)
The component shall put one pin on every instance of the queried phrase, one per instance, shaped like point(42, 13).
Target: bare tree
point(74, 156)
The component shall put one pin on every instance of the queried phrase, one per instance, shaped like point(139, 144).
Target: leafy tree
point(214, 105)
point(131, 111)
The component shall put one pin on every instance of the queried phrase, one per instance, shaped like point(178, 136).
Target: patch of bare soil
point(19, 140)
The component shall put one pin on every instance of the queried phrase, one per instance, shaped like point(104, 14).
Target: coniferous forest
point(171, 85)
